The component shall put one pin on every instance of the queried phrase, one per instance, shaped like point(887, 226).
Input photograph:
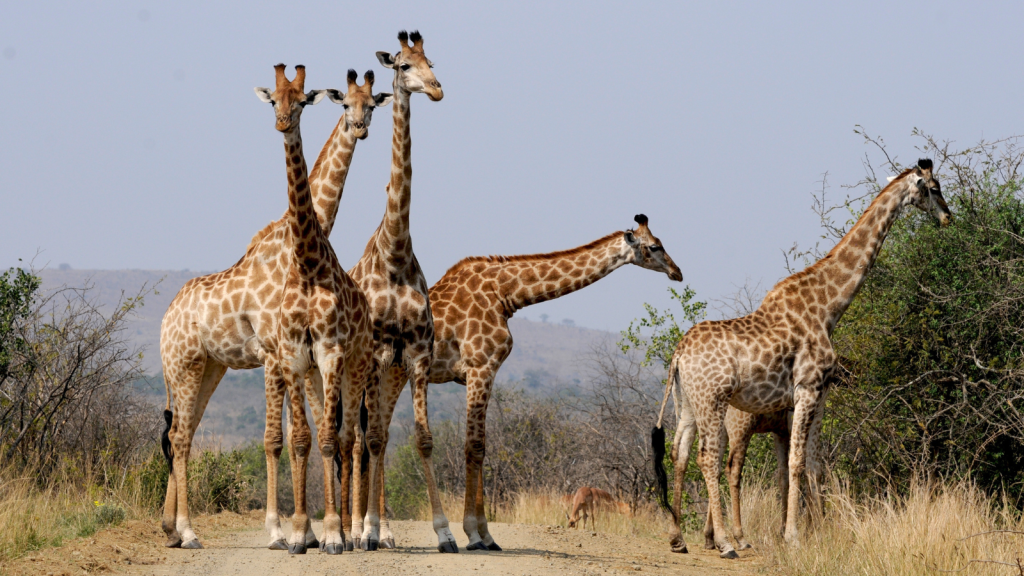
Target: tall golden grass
point(934, 529)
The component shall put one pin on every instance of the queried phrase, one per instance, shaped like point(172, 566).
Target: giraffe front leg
point(781, 440)
point(299, 444)
point(360, 478)
point(376, 437)
point(273, 442)
point(330, 390)
point(709, 458)
point(425, 446)
point(805, 398)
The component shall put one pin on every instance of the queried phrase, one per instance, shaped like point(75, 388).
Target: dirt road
point(529, 550)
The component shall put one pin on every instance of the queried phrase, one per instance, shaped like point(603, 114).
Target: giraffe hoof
point(299, 548)
point(173, 542)
point(322, 546)
point(709, 545)
point(388, 543)
point(278, 545)
point(333, 548)
point(680, 549)
point(476, 546)
point(192, 545)
point(370, 545)
point(730, 554)
point(448, 547)
point(494, 547)
point(348, 546)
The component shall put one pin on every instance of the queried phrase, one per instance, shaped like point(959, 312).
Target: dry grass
point(33, 518)
point(934, 529)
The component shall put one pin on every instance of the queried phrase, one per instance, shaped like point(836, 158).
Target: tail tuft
point(165, 440)
point(658, 453)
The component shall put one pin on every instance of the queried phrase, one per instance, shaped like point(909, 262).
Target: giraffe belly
point(762, 399)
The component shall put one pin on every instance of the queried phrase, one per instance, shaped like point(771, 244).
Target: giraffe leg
point(348, 443)
point(391, 388)
point(739, 441)
point(425, 446)
point(190, 413)
point(686, 431)
point(806, 395)
point(782, 472)
point(375, 438)
point(814, 472)
point(315, 397)
point(478, 385)
point(299, 444)
point(709, 531)
point(171, 498)
point(331, 391)
point(273, 442)
point(709, 458)
point(360, 476)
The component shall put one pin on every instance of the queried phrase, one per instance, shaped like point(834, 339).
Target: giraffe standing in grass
point(230, 320)
point(472, 303)
point(780, 356)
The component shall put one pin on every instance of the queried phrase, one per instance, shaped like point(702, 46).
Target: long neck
point(843, 270)
point(544, 277)
point(392, 238)
point(327, 180)
point(301, 217)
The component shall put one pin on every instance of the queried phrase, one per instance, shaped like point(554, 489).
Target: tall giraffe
point(780, 355)
point(393, 282)
point(230, 320)
point(324, 325)
point(472, 303)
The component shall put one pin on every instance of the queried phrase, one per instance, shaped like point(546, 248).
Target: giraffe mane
point(500, 259)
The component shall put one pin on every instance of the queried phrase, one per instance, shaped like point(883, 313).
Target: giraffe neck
point(327, 180)
point(843, 270)
point(301, 218)
point(392, 239)
point(544, 277)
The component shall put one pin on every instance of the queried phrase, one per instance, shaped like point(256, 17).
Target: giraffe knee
point(425, 444)
point(475, 450)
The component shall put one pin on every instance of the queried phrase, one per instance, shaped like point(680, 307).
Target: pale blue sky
point(130, 136)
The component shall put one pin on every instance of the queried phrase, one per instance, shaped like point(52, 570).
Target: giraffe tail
point(339, 414)
point(364, 423)
point(165, 440)
point(658, 449)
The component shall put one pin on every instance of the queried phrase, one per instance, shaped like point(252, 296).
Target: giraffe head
point(648, 251)
point(359, 102)
point(925, 192)
point(288, 98)
point(412, 68)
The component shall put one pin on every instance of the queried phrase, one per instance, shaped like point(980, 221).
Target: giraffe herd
point(347, 342)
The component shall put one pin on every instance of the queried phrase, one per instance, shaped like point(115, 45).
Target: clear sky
point(130, 136)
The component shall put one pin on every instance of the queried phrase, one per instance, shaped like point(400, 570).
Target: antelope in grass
point(585, 503)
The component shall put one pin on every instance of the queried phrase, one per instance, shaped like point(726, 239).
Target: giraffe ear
point(264, 94)
point(335, 96)
point(314, 97)
point(386, 59)
point(629, 238)
point(382, 99)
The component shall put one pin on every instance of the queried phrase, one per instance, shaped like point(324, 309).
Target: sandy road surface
point(529, 550)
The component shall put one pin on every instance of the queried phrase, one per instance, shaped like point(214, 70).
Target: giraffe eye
point(656, 248)
point(404, 67)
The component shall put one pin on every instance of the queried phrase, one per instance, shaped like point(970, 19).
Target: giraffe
point(324, 323)
point(230, 320)
point(472, 303)
point(780, 356)
point(390, 276)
